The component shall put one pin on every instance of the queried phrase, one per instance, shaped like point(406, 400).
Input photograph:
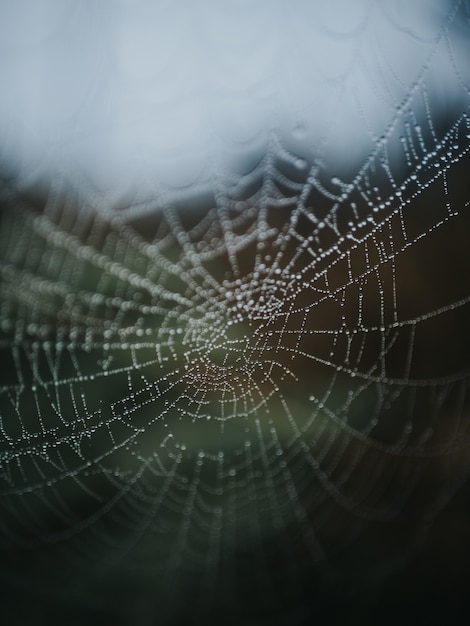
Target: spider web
point(227, 392)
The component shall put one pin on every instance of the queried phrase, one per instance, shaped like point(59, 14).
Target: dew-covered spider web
point(247, 391)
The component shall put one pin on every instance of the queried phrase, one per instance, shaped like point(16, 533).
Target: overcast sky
point(123, 91)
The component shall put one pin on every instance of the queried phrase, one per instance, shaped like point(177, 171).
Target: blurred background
point(144, 145)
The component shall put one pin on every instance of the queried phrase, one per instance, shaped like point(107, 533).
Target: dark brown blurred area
point(392, 509)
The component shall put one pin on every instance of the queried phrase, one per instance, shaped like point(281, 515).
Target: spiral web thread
point(259, 379)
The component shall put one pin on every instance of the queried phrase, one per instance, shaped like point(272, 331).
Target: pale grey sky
point(127, 92)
